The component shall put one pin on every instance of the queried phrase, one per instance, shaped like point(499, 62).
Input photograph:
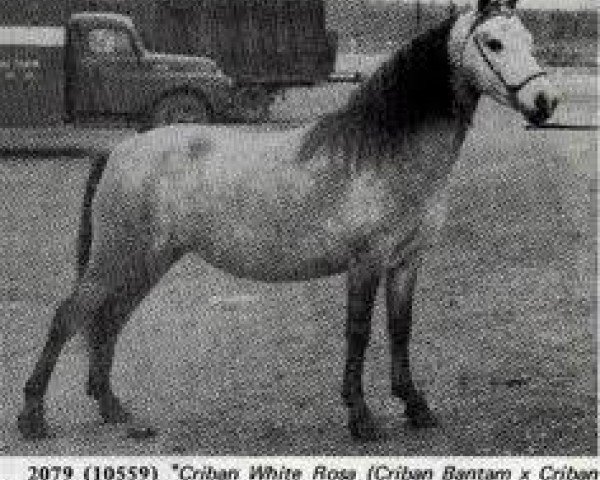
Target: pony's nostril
point(544, 106)
point(541, 102)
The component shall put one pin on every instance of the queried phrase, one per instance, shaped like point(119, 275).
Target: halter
point(512, 89)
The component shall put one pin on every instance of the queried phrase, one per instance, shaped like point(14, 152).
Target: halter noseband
point(513, 90)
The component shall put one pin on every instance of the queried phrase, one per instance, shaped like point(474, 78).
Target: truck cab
point(95, 69)
point(109, 74)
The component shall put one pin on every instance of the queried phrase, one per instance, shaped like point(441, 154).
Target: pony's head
point(492, 51)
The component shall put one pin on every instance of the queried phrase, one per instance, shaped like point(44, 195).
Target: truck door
point(107, 72)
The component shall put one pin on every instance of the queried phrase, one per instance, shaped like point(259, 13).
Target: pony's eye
point(494, 45)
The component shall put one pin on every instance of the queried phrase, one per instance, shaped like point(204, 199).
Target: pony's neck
point(465, 94)
point(416, 88)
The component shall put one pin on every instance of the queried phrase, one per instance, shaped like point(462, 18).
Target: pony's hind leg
point(70, 316)
point(143, 272)
point(102, 336)
point(400, 287)
point(363, 281)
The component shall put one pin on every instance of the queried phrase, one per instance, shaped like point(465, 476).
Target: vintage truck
point(96, 70)
point(93, 61)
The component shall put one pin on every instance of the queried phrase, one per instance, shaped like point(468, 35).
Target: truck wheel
point(180, 108)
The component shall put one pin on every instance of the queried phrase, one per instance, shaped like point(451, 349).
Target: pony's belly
point(268, 219)
point(268, 263)
point(287, 250)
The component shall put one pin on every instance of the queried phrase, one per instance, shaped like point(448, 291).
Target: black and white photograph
point(318, 228)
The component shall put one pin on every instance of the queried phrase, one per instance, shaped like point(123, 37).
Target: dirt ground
point(504, 341)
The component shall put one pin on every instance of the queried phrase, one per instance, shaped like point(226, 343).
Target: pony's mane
point(412, 87)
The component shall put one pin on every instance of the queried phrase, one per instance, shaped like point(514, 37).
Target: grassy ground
point(504, 342)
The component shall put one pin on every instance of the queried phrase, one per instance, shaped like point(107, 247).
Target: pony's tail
point(84, 239)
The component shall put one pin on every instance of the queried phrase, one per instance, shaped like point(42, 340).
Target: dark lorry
point(87, 61)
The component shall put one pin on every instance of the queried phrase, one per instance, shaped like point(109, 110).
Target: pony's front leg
point(400, 287)
point(363, 281)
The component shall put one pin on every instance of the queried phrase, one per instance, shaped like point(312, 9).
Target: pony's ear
point(484, 5)
point(487, 6)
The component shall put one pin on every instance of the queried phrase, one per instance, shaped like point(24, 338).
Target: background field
point(504, 341)
point(563, 37)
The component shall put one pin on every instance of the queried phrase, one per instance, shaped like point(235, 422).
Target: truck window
point(109, 41)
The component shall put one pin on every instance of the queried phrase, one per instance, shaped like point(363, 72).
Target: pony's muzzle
point(537, 100)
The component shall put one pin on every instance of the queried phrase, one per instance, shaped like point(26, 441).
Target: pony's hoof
point(419, 415)
point(362, 425)
point(112, 411)
point(423, 420)
point(31, 424)
point(139, 432)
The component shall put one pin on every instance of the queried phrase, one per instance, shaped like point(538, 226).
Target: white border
point(337, 468)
